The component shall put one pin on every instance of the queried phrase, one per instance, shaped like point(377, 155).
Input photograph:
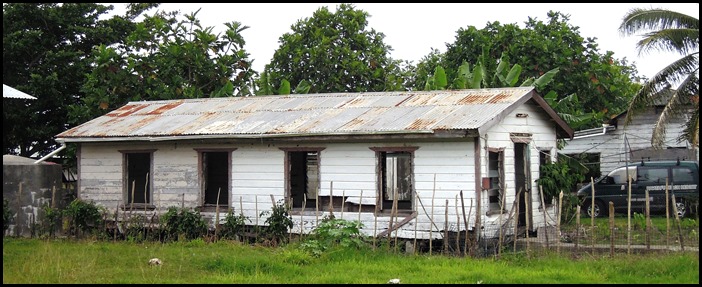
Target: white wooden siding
point(611, 146)
point(543, 136)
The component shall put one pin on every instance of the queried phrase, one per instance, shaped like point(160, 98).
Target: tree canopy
point(45, 47)
point(166, 57)
point(334, 52)
point(602, 83)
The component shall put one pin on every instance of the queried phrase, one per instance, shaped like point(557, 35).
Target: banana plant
point(267, 89)
point(568, 109)
point(436, 81)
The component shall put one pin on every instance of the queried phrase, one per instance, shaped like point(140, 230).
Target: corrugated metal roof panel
point(329, 113)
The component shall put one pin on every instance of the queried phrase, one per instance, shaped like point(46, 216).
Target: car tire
point(600, 210)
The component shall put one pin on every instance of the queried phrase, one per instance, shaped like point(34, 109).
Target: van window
point(682, 175)
point(652, 175)
point(618, 176)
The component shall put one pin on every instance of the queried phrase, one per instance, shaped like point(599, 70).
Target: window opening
point(396, 179)
point(303, 176)
point(215, 178)
point(138, 185)
point(496, 179)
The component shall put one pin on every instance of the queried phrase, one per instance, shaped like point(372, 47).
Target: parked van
point(682, 182)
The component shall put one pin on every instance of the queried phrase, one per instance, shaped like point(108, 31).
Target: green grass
point(30, 261)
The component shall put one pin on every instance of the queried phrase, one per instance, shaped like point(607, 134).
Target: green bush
point(333, 232)
point(233, 225)
point(278, 223)
point(135, 229)
point(84, 216)
point(182, 223)
point(52, 217)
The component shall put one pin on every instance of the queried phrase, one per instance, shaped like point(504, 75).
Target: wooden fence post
point(516, 218)
point(446, 241)
point(611, 229)
point(558, 224)
point(431, 227)
point(543, 212)
point(592, 217)
point(628, 216)
point(667, 215)
point(648, 221)
point(360, 205)
point(527, 209)
point(677, 219)
point(458, 227)
point(216, 223)
point(465, 221)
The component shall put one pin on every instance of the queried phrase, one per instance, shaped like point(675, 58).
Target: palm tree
point(665, 30)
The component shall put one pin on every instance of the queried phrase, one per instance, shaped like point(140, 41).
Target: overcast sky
point(413, 29)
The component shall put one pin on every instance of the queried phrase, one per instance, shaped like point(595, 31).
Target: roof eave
point(405, 134)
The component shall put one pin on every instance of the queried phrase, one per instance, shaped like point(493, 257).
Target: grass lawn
point(29, 261)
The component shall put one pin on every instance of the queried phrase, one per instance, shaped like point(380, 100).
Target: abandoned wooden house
point(456, 158)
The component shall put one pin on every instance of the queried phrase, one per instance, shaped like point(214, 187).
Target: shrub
point(52, 218)
point(134, 228)
point(333, 232)
point(85, 216)
point(182, 223)
point(233, 225)
point(278, 223)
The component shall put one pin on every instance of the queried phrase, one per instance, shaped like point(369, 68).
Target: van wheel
point(599, 209)
point(681, 208)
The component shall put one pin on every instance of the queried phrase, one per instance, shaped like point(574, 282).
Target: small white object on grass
point(155, 261)
point(394, 281)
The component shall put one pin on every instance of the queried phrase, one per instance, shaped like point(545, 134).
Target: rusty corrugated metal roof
point(304, 115)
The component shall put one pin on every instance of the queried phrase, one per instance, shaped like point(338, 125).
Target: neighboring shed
point(615, 143)
point(28, 187)
point(356, 150)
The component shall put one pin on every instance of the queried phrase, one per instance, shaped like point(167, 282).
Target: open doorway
point(522, 177)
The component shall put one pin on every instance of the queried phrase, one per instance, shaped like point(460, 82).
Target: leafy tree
point(166, 57)
point(602, 83)
point(47, 50)
point(424, 69)
point(666, 30)
point(334, 52)
point(568, 108)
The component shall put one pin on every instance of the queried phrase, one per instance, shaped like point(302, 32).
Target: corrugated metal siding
point(333, 113)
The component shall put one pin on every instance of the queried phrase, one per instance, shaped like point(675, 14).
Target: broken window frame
point(203, 179)
point(545, 157)
point(144, 189)
point(309, 198)
point(496, 181)
point(384, 201)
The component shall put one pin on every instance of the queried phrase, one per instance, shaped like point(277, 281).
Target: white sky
point(413, 29)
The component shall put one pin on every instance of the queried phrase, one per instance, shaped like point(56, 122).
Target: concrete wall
point(27, 187)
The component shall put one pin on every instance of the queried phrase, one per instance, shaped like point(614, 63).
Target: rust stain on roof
point(420, 124)
point(126, 110)
point(203, 119)
point(473, 99)
point(165, 108)
point(498, 98)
